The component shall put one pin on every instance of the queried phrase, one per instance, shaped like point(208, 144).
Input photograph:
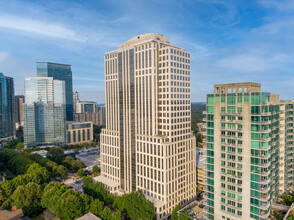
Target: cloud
point(39, 27)
point(252, 62)
point(282, 5)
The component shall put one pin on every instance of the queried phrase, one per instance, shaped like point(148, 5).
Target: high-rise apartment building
point(6, 108)
point(286, 149)
point(59, 72)
point(242, 150)
point(18, 110)
point(147, 143)
point(44, 111)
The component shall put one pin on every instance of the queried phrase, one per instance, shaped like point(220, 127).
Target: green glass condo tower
point(6, 108)
point(59, 72)
point(242, 152)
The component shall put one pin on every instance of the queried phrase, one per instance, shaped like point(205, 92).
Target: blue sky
point(229, 40)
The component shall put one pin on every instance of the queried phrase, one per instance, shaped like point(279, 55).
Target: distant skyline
point(229, 40)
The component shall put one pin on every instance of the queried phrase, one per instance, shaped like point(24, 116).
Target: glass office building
point(44, 111)
point(6, 107)
point(59, 72)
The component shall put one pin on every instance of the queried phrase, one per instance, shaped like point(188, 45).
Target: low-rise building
point(79, 132)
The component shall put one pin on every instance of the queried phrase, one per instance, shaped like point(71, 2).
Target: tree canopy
point(135, 206)
point(28, 198)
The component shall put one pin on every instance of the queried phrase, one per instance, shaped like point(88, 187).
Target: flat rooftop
point(50, 63)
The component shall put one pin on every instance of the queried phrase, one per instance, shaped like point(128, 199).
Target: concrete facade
point(78, 133)
point(147, 143)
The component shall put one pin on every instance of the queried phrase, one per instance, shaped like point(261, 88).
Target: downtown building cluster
point(147, 143)
point(249, 151)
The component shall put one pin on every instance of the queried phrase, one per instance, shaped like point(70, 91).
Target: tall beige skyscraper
point(147, 143)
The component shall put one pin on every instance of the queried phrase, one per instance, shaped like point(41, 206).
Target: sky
point(230, 40)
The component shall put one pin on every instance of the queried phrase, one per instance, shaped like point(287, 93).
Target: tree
point(55, 154)
point(116, 216)
point(106, 214)
point(94, 189)
point(50, 165)
point(97, 207)
point(28, 198)
point(109, 199)
point(96, 169)
point(19, 145)
point(135, 206)
point(184, 216)
point(38, 173)
point(7, 205)
point(60, 171)
point(288, 200)
point(81, 173)
point(174, 212)
point(95, 174)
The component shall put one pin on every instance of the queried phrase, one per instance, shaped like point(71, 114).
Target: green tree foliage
point(19, 145)
point(106, 214)
point(28, 198)
point(96, 132)
point(56, 155)
point(184, 216)
point(65, 203)
point(97, 207)
point(50, 165)
point(94, 189)
point(35, 173)
point(2, 166)
point(95, 169)
point(81, 173)
point(288, 200)
point(199, 139)
point(38, 174)
point(73, 164)
point(116, 216)
point(109, 199)
point(174, 212)
point(7, 205)
point(135, 206)
point(60, 171)
point(13, 143)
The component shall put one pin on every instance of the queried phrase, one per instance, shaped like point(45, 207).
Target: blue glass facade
point(59, 72)
point(6, 107)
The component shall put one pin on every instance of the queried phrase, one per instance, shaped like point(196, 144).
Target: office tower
point(85, 106)
point(242, 150)
point(59, 72)
point(147, 143)
point(18, 110)
point(6, 108)
point(76, 99)
point(44, 111)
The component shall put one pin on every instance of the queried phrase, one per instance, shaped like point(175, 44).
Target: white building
point(147, 143)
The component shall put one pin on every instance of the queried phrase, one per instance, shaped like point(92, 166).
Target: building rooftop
point(146, 37)
point(106, 181)
point(89, 216)
point(13, 215)
point(237, 87)
point(50, 63)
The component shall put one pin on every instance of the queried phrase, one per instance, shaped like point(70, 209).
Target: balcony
point(265, 113)
point(265, 197)
point(266, 156)
point(265, 139)
point(265, 122)
point(231, 113)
